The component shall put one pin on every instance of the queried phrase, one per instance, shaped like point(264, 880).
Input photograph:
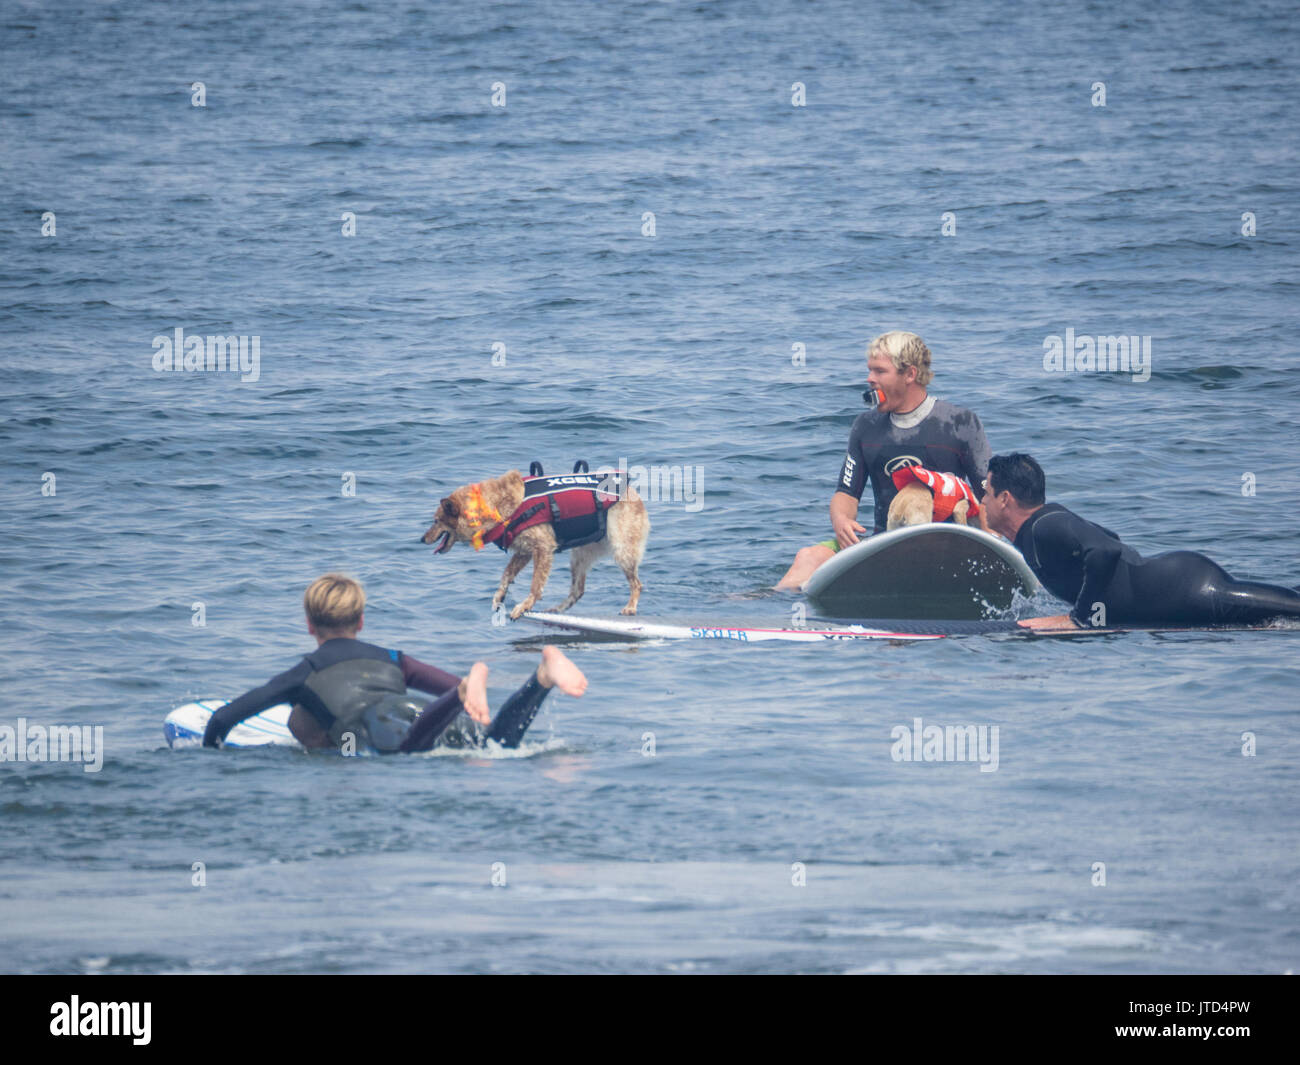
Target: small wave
point(997, 946)
point(1205, 376)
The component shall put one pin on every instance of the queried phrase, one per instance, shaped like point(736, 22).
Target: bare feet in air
point(556, 671)
point(473, 694)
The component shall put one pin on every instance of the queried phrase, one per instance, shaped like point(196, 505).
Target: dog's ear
point(450, 509)
point(513, 479)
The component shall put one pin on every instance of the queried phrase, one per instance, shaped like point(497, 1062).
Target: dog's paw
point(522, 608)
point(628, 611)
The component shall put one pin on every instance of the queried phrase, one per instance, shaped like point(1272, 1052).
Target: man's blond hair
point(334, 603)
point(904, 350)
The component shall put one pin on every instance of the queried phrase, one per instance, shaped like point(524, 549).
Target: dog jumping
point(589, 514)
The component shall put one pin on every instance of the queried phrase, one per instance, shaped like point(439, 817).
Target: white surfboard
point(630, 628)
point(936, 571)
point(185, 726)
point(899, 630)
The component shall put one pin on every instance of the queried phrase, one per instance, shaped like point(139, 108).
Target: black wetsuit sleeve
point(426, 678)
point(977, 454)
point(1100, 557)
point(1098, 552)
point(281, 689)
point(853, 470)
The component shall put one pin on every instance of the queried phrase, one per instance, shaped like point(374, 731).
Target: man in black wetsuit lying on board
point(1109, 583)
point(352, 694)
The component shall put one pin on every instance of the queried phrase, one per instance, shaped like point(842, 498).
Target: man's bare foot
point(473, 694)
point(557, 671)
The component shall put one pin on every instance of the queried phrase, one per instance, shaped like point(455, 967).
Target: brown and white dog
point(924, 497)
point(474, 512)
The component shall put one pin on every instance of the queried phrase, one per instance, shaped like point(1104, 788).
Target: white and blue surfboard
point(184, 726)
point(635, 629)
point(899, 630)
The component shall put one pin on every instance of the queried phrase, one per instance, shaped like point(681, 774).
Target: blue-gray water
point(521, 226)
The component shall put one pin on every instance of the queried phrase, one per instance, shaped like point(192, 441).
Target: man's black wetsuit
point(343, 679)
point(945, 439)
point(1087, 564)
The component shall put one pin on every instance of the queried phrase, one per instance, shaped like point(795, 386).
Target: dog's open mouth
point(443, 542)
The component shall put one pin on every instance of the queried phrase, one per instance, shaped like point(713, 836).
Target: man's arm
point(1069, 536)
point(1100, 557)
point(977, 458)
point(977, 453)
point(281, 689)
point(849, 486)
point(426, 678)
point(844, 513)
point(472, 690)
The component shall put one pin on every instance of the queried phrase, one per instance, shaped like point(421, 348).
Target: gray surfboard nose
point(925, 572)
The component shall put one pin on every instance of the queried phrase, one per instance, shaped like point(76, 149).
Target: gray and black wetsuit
point(1086, 565)
point(937, 435)
point(350, 686)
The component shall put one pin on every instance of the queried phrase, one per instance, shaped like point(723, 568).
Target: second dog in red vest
point(925, 496)
point(537, 516)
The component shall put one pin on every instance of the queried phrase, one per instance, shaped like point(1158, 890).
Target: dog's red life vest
point(948, 489)
point(575, 504)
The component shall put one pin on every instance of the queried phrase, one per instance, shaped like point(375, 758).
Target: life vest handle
point(535, 468)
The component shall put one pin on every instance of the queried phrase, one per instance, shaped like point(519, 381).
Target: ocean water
point(501, 301)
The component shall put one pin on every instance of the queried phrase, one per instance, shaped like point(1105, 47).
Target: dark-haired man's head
point(1021, 476)
point(1014, 489)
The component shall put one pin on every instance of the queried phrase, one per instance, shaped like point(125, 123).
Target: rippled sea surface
point(501, 302)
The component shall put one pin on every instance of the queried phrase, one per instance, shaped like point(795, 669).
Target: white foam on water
point(994, 946)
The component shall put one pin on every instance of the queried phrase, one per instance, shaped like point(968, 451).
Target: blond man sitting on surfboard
point(905, 427)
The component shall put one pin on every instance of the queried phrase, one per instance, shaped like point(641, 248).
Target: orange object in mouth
point(873, 397)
